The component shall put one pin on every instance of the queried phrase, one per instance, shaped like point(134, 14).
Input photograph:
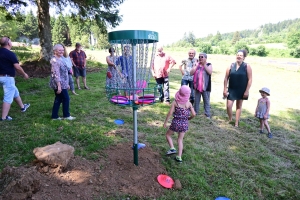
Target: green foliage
point(29, 28)
point(215, 40)
point(295, 52)
point(236, 37)
point(224, 47)
point(293, 39)
point(278, 53)
point(7, 27)
point(25, 54)
point(189, 38)
point(239, 46)
point(60, 31)
point(205, 47)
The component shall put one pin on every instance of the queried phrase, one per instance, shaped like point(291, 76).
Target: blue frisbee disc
point(119, 121)
point(222, 198)
point(140, 145)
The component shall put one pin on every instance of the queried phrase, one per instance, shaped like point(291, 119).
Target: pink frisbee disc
point(165, 181)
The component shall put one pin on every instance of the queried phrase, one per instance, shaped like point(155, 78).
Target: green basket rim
point(135, 36)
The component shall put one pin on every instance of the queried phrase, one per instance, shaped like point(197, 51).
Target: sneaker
point(7, 118)
point(270, 135)
point(178, 159)
point(25, 107)
point(59, 118)
point(70, 118)
point(171, 151)
point(261, 131)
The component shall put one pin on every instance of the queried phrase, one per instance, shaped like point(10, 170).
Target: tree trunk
point(44, 29)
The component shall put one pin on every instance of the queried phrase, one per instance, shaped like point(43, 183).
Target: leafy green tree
point(261, 50)
point(216, 39)
point(7, 27)
point(236, 37)
point(224, 47)
point(60, 31)
point(189, 38)
point(205, 47)
point(29, 28)
point(295, 52)
point(241, 45)
point(293, 39)
point(105, 13)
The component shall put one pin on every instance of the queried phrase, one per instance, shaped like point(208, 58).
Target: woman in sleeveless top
point(238, 77)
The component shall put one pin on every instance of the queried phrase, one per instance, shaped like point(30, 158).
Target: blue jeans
point(63, 98)
point(9, 89)
point(164, 93)
point(191, 85)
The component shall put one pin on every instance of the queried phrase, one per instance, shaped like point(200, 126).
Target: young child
point(262, 110)
point(181, 109)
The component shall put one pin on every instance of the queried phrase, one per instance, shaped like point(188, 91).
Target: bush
point(261, 50)
point(252, 51)
point(295, 52)
point(205, 47)
point(241, 45)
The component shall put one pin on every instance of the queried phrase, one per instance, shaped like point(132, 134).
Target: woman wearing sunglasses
point(202, 71)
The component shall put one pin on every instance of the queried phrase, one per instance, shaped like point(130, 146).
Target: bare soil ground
point(112, 174)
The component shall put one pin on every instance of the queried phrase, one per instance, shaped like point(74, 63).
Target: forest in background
point(67, 30)
point(254, 41)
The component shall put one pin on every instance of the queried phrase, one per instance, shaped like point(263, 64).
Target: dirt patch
point(113, 174)
point(37, 69)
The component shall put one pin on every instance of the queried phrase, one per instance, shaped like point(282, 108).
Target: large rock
point(55, 154)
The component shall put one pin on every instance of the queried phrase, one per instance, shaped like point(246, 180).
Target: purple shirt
point(59, 71)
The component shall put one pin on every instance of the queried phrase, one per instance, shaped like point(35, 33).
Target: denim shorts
point(79, 72)
point(9, 88)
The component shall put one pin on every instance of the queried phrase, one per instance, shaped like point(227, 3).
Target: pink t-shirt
point(161, 64)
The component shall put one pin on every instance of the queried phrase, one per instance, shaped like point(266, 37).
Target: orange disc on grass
point(165, 181)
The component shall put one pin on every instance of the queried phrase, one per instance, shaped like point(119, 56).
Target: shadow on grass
point(219, 159)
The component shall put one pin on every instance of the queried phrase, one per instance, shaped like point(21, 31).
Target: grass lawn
point(218, 159)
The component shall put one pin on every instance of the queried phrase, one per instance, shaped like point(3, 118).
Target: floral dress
point(113, 80)
point(180, 122)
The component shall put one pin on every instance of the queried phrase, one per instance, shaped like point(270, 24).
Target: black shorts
point(79, 72)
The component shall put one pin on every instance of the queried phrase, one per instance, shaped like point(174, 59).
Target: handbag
point(108, 74)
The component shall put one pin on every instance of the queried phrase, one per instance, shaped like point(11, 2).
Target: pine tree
point(236, 37)
point(60, 31)
point(30, 27)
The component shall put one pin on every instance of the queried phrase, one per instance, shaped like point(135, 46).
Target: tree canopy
point(104, 12)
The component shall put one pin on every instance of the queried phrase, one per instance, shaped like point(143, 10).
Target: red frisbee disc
point(165, 181)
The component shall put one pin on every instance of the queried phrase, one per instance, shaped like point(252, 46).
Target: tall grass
point(218, 159)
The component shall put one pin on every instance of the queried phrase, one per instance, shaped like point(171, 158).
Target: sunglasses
point(201, 57)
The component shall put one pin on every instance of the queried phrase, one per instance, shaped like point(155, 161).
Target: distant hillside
point(268, 33)
point(266, 29)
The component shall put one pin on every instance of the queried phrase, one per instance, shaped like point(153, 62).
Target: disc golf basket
point(134, 56)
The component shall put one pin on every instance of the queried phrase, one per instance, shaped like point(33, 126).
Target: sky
point(172, 18)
